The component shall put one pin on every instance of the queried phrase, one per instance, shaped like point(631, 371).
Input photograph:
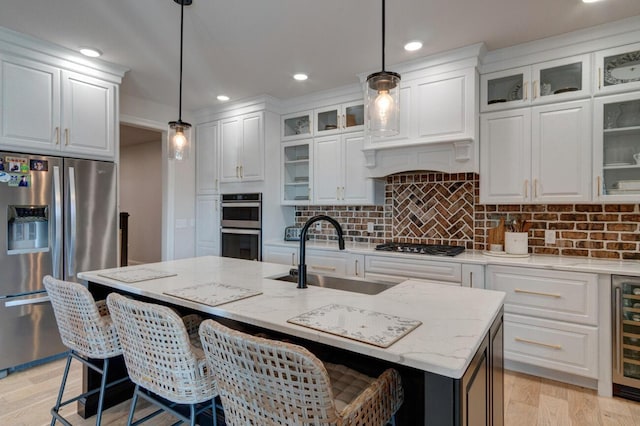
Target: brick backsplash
point(441, 208)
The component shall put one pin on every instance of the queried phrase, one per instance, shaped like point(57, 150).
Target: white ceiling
point(245, 48)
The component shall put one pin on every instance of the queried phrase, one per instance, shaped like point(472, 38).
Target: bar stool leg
point(61, 391)
point(103, 385)
point(134, 401)
point(214, 412)
point(193, 414)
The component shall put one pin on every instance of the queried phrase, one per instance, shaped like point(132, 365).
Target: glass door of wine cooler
point(626, 331)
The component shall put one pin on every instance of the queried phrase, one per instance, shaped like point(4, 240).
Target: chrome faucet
point(302, 267)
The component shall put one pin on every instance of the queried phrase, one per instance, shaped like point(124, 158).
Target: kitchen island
point(451, 364)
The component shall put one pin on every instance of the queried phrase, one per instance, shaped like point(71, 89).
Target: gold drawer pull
point(323, 268)
point(538, 293)
point(533, 342)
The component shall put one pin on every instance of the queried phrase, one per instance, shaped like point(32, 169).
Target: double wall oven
point(241, 226)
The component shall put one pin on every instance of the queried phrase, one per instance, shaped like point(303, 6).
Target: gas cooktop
point(432, 249)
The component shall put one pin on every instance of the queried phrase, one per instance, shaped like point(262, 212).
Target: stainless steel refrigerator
point(57, 216)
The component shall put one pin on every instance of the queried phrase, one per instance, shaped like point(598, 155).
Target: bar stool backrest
point(157, 351)
point(84, 325)
point(264, 381)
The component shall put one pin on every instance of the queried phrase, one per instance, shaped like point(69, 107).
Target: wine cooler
point(626, 336)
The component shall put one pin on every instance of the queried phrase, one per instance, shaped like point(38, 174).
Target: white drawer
point(566, 296)
point(570, 348)
point(424, 269)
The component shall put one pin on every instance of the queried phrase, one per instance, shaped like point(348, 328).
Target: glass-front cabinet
point(297, 163)
point(297, 125)
point(347, 117)
point(617, 147)
point(618, 69)
point(552, 81)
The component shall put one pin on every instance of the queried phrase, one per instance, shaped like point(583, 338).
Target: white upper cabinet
point(88, 111)
point(347, 117)
point(47, 110)
point(339, 172)
point(436, 108)
point(539, 155)
point(242, 148)
point(552, 81)
point(616, 147)
point(297, 172)
point(617, 69)
point(298, 125)
point(207, 147)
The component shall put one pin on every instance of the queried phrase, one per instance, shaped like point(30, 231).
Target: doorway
point(141, 192)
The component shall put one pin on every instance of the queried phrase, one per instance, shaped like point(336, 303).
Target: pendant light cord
point(181, 34)
point(383, 11)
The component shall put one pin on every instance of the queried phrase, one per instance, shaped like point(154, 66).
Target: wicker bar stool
point(86, 329)
point(162, 360)
point(267, 382)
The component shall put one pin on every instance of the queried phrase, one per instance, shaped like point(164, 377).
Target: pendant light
point(382, 96)
point(179, 133)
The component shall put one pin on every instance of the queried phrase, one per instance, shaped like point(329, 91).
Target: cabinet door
point(505, 162)
point(561, 80)
point(297, 125)
point(505, 89)
point(327, 120)
point(297, 172)
point(617, 69)
point(561, 152)
point(207, 158)
point(352, 116)
point(230, 139)
point(88, 116)
point(616, 147)
point(445, 107)
point(29, 104)
point(327, 170)
point(252, 155)
point(357, 189)
point(208, 226)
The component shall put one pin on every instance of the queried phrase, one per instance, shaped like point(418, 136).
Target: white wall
point(178, 178)
point(141, 197)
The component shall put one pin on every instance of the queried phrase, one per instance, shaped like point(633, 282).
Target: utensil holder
point(516, 242)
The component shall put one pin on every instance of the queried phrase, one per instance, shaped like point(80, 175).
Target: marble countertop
point(454, 319)
point(563, 263)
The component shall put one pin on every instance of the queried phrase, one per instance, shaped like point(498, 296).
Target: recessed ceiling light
point(90, 52)
point(223, 98)
point(589, 1)
point(300, 77)
point(412, 46)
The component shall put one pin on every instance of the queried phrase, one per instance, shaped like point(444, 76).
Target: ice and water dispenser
point(27, 228)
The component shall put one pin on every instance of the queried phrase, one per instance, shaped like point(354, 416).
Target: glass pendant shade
point(382, 103)
point(179, 136)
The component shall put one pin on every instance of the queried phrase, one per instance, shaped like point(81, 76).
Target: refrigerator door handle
point(23, 302)
point(72, 219)
point(57, 208)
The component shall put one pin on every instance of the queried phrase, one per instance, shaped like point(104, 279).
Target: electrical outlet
point(550, 236)
point(318, 226)
point(370, 227)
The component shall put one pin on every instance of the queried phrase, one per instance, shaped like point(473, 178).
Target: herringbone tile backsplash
point(441, 208)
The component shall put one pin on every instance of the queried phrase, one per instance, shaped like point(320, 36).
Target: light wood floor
point(27, 396)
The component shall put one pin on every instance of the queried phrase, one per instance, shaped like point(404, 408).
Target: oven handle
point(227, 204)
point(240, 231)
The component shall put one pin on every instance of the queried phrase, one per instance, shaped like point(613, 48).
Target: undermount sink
point(338, 283)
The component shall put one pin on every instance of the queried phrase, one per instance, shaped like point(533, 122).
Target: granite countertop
point(562, 263)
point(453, 319)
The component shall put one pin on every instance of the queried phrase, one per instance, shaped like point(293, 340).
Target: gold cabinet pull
point(526, 188)
point(241, 173)
point(599, 78)
point(535, 189)
point(525, 86)
point(66, 137)
point(598, 184)
point(538, 293)
point(535, 89)
point(357, 268)
point(533, 342)
point(344, 121)
point(57, 135)
point(293, 259)
point(322, 268)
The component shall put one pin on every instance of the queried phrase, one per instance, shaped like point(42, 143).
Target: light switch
point(318, 226)
point(370, 227)
point(550, 236)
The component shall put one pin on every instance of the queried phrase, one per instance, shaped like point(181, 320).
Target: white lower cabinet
point(473, 275)
point(335, 263)
point(556, 345)
point(551, 318)
point(208, 225)
point(280, 255)
point(393, 269)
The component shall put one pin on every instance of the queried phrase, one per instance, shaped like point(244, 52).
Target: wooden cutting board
point(496, 235)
